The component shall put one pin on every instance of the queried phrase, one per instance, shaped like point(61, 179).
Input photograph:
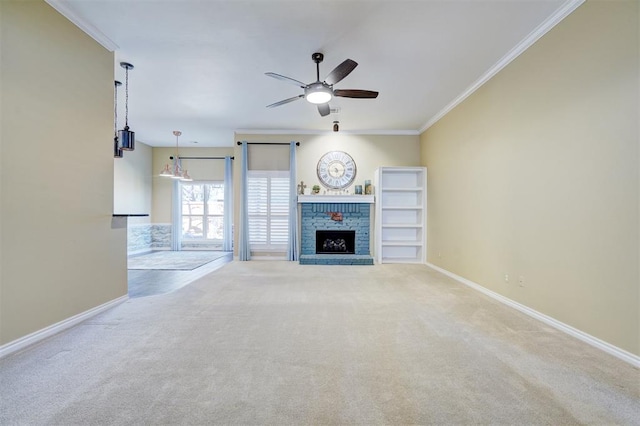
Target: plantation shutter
point(268, 197)
point(258, 197)
point(279, 199)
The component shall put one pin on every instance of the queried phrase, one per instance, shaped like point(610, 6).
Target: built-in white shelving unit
point(401, 213)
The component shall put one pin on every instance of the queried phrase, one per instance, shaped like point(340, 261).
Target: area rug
point(174, 260)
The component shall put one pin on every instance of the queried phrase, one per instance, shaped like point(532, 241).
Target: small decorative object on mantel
point(301, 187)
point(368, 189)
point(358, 189)
point(336, 216)
point(315, 189)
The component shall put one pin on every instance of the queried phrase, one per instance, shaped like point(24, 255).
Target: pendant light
point(177, 172)
point(166, 172)
point(126, 136)
point(117, 151)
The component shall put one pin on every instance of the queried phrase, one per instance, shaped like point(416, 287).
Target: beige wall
point(132, 181)
point(198, 170)
point(368, 151)
point(59, 254)
point(536, 175)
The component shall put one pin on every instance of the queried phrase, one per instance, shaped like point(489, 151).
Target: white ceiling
point(199, 65)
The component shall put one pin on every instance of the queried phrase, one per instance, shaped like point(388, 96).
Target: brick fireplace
point(335, 214)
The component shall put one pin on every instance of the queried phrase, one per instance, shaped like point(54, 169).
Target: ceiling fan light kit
point(321, 92)
point(318, 93)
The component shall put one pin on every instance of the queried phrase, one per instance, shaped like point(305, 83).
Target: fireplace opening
point(335, 242)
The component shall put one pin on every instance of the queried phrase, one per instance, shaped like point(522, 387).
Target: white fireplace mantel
point(365, 199)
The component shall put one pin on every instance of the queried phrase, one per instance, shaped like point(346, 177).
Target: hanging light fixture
point(166, 172)
point(126, 136)
point(117, 151)
point(177, 172)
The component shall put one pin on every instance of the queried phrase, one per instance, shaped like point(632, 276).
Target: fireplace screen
point(335, 242)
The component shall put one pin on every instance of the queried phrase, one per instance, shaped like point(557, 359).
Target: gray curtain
point(292, 248)
point(227, 244)
point(244, 249)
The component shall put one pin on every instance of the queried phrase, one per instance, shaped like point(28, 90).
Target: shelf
point(401, 243)
point(401, 214)
point(401, 189)
point(401, 207)
point(386, 259)
point(400, 170)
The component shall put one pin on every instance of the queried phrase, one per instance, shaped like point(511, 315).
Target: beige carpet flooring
point(279, 343)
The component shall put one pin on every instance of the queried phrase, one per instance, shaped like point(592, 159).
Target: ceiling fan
point(321, 92)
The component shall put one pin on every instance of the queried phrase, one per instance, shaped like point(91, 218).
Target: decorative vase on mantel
point(315, 190)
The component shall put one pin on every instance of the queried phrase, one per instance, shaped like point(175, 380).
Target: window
point(203, 211)
point(268, 209)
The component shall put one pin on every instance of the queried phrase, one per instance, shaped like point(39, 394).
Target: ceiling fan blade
point(285, 101)
point(324, 109)
point(286, 79)
point(354, 93)
point(341, 71)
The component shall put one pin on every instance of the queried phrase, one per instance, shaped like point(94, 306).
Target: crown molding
point(565, 10)
point(67, 11)
point(326, 132)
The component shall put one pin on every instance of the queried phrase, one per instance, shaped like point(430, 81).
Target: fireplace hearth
point(335, 242)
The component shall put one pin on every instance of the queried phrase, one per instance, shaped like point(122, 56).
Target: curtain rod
point(268, 143)
point(200, 158)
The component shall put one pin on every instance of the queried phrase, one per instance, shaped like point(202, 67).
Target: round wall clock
point(336, 170)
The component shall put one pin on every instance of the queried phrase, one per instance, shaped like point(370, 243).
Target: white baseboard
point(581, 335)
point(39, 335)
